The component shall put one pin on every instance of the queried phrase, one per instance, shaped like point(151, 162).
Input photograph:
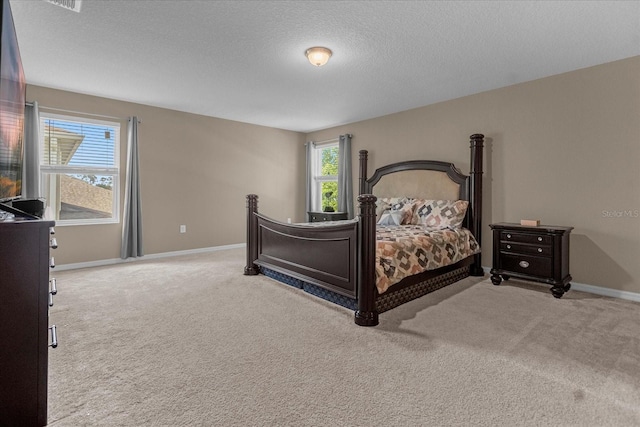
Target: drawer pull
point(53, 243)
point(508, 236)
point(523, 264)
point(540, 250)
point(53, 289)
point(52, 263)
point(539, 239)
point(50, 299)
point(54, 337)
point(52, 230)
point(508, 246)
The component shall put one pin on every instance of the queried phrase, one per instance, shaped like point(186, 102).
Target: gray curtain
point(132, 223)
point(345, 186)
point(31, 167)
point(309, 184)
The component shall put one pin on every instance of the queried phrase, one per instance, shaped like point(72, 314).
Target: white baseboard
point(607, 292)
point(113, 261)
point(598, 290)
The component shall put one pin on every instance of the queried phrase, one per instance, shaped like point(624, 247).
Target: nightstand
point(326, 216)
point(540, 254)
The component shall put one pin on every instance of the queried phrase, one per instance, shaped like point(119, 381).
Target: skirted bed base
point(384, 302)
point(337, 262)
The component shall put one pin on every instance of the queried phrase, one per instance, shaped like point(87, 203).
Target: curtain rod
point(326, 141)
point(30, 104)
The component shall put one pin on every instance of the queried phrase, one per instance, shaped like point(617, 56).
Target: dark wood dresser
point(539, 253)
point(26, 293)
point(327, 216)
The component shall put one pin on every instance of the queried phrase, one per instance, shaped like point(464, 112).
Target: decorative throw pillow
point(394, 210)
point(439, 214)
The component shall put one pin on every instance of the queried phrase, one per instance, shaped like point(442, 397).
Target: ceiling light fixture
point(318, 56)
point(74, 5)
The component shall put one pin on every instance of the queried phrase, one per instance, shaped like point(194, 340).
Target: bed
point(340, 261)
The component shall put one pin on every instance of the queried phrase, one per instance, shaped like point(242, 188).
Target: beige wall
point(564, 149)
point(195, 170)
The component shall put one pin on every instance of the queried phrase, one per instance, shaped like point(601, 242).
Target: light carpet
point(191, 341)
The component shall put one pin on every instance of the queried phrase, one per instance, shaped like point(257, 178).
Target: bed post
point(475, 190)
point(364, 156)
point(367, 314)
point(252, 236)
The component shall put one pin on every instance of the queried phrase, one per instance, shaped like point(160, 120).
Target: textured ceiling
point(244, 60)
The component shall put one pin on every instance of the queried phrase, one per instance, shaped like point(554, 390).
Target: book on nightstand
point(530, 222)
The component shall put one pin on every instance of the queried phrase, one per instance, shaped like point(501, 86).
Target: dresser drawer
point(519, 248)
point(529, 265)
point(510, 236)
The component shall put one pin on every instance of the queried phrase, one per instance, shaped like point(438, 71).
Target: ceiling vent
point(67, 4)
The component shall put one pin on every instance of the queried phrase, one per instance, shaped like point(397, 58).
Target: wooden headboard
point(419, 179)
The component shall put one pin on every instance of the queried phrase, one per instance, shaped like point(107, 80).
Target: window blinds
point(78, 144)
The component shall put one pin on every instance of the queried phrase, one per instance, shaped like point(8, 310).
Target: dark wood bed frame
point(337, 262)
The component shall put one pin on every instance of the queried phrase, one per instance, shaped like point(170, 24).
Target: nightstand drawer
point(529, 265)
point(519, 248)
point(327, 216)
point(511, 236)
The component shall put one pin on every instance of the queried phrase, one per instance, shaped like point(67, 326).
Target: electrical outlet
point(183, 229)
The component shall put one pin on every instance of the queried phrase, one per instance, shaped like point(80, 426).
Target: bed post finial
point(367, 314)
point(252, 235)
point(475, 193)
point(364, 157)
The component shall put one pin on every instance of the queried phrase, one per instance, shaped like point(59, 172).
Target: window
point(79, 166)
point(325, 178)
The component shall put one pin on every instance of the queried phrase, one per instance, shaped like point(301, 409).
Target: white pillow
point(395, 211)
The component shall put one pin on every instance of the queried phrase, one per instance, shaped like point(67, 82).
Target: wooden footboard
point(325, 256)
point(337, 257)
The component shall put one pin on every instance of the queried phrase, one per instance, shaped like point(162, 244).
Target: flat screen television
point(12, 100)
